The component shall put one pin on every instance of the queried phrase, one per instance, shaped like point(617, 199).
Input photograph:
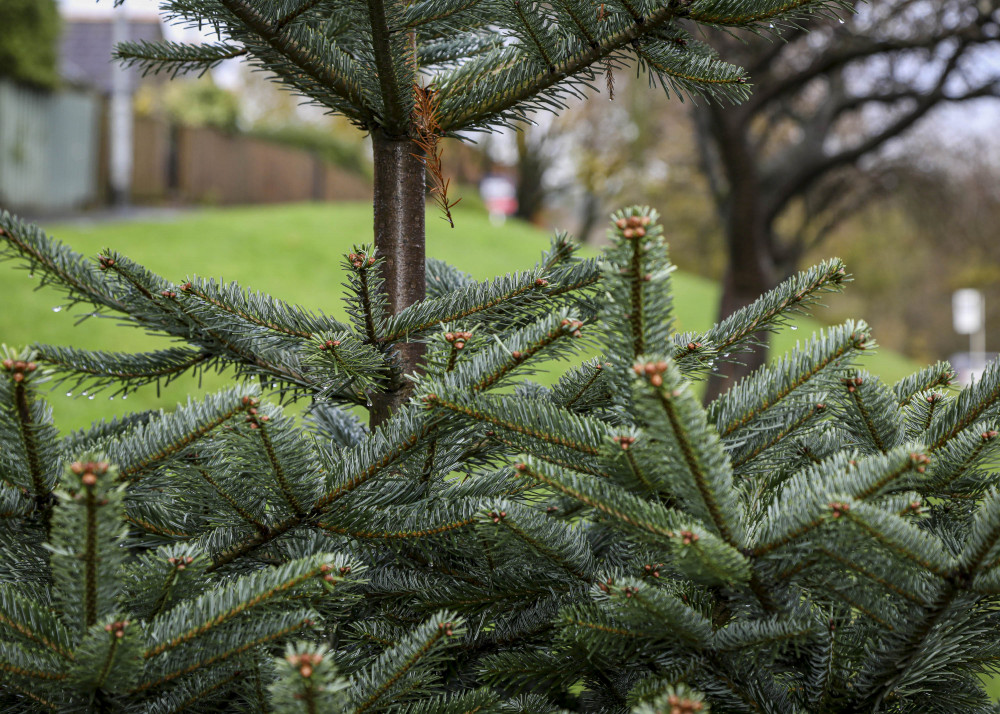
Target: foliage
point(201, 102)
point(813, 541)
point(29, 43)
point(487, 65)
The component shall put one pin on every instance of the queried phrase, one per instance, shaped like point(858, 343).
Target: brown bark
point(750, 269)
point(531, 167)
point(399, 239)
point(744, 282)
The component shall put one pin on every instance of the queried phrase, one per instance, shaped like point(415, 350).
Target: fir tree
point(812, 541)
point(411, 73)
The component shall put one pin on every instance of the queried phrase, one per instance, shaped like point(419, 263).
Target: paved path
point(110, 215)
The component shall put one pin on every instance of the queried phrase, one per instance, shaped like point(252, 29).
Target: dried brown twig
point(428, 138)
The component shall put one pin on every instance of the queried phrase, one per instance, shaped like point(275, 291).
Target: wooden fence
point(202, 165)
point(54, 158)
point(48, 148)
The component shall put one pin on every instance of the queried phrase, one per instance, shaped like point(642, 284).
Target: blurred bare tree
point(802, 153)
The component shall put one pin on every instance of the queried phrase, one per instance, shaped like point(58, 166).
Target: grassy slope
point(294, 253)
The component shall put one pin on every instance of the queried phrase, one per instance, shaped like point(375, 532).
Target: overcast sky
point(134, 8)
point(104, 6)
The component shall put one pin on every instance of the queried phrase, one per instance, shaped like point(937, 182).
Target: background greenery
point(28, 33)
point(292, 252)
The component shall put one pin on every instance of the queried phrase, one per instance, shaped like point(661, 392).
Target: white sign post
point(969, 317)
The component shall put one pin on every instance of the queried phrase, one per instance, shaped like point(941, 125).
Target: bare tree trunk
point(590, 214)
point(744, 282)
point(400, 190)
point(531, 166)
point(751, 270)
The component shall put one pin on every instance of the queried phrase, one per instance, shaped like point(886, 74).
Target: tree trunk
point(400, 190)
point(743, 283)
point(531, 167)
point(751, 270)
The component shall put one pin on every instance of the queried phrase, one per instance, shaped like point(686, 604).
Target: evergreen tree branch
point(772, 310)
point(233, 503)
point(596, 373)
point(700, 448)
point(535, 33)
point(697, 551)
point(901, 538)
point(939, 374)
point(167, 435)
point(34, 622)
point(33, 696)
point(668, 611)
point(299, 55)
point(486, 301)
point(579, 277)
point(31, 434)
point(101, 369)
point(550, 539)
point(860, 405)
point(637, 276)
point(404, 522)
point(637, 469)
point(977, 401)
point(457, 116)
point(480, 413)
point(279, 629)
point(770, 385)
point(260, 538)
point(292, 15)
point(211, 610)
point(65, 269)
point(778, 435)
point(540, 339)
point(730, 14)
point(86, 553)
point(192, 693)
point(390, 445)
point(869, 574)
point(959, 455)
point(260, 427)
point(155, 529)
point(690, 73)
point(367, 306)
point(430, 12)
point(396, 99)
point(903, 657)
point(376, 682)
point(260, 309)
point(159, 307)
point(90, 558)
point(176, 57)
point(578, 465)
point(372, 534)
point(865, 610)
point(385, 447)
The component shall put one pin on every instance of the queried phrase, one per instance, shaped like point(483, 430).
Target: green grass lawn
point(294, 253)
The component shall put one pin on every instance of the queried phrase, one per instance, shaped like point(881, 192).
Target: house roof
point(86, 45)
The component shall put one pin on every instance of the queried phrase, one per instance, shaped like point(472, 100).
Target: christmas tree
point(813, 541)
